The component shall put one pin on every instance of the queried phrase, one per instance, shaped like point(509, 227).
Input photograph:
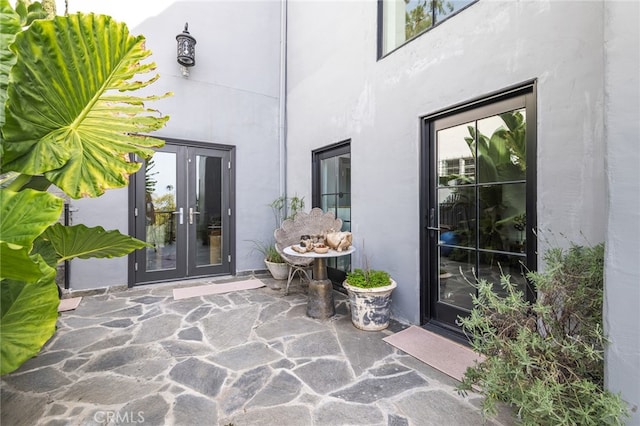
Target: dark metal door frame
point(487, 105)
point(185, 265)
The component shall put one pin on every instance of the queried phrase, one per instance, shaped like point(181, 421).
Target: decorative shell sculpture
point(339, 240)
point(321, 243)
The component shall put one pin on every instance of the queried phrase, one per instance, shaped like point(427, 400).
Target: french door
point(182, 208)
point(478, 203)
point(331, 190)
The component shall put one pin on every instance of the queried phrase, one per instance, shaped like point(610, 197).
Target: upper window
point(402, 20)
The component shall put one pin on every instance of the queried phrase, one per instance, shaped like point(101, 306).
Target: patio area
point(252, 357)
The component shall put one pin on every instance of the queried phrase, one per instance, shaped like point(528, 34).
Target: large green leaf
point(83, 242)
point(26, 214)
point(16, 264)
point(67, 114)
point(28, 314)
point(9, 27)
point(45, 249)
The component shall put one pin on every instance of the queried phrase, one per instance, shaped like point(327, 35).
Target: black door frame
point(229, 191)
point(428, 200)
point(336, 276)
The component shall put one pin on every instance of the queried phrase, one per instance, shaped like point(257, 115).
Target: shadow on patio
point(251, 357)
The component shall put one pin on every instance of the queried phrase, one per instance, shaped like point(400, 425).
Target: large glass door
point(208, 213)
point(480, 204)
point(182, 209)
point(332, 192)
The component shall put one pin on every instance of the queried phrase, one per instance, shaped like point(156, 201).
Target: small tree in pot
point(369, 293)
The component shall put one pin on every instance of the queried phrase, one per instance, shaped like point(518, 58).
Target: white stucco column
point(622, 258)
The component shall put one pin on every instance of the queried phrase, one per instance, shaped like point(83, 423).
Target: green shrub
point(545, 358)
point(369, 278)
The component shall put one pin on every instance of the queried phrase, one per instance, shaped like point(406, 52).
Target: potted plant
point(275, 263)
point(369, 293)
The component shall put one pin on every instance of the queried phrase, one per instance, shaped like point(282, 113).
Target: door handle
point(432, 220)
point(191, 213)
point(180, 214)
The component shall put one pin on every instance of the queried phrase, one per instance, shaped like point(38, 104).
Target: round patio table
point(320, 304)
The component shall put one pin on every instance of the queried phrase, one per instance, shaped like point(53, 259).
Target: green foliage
point(269, 252)
point(500, 157)
point(28, 315)
point(368, 278)
point(545, 358)
point(82, 242)
point(286, 208)
point(66, 119)
point(9, 27)
point(420, 17)
point(81, 138)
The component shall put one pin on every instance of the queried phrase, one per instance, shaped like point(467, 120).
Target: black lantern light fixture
point(186, 50)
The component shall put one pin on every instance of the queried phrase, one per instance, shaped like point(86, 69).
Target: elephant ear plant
point(66, 120)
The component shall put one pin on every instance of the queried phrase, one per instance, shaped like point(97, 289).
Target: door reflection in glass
point(481, 205)
point(207, 213)
point(161, 215)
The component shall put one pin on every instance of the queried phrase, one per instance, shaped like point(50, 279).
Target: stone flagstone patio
point(253, 357)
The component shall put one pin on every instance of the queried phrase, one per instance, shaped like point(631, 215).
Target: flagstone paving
point(252, 357)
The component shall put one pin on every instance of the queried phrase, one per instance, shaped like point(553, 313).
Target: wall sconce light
point(186, 50)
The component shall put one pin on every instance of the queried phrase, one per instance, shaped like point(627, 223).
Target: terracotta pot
point(370, 307)
point(279, 271)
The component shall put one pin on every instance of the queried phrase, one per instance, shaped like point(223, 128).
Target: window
point(403, 20)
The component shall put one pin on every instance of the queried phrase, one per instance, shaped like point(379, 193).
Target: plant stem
point(23, 181)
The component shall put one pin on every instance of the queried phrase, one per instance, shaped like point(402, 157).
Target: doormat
point(440, 353)
point(205, 290)
point(69, 304)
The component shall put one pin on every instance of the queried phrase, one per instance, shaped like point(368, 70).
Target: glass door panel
point(161, 215)
point(494, 265)
point(456, 159)
point(476, 215)
point(501, 147)
point(454, 284)
point(206, 214)
point(336, 196)
point(501, 217)
point(335, 187)
point(332, 192)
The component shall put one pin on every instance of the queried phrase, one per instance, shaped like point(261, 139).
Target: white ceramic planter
point(370, 307)
point(279, 271)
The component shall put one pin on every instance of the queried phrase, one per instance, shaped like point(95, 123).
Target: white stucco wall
point(622, 136)
point(337, 90)
point(231, 97)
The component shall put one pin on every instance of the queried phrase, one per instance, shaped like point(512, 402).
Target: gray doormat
point(442, 354)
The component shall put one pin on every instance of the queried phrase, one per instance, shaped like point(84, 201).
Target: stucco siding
point(231, 97)
point(490, 46)
point(622, 130)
